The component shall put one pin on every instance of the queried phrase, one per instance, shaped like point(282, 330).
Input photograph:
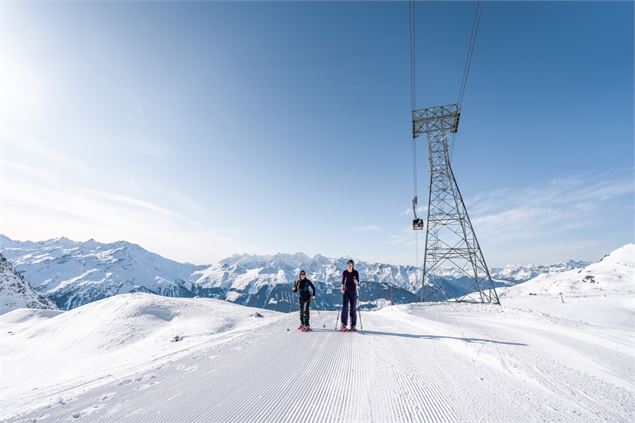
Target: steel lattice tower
point(450, 239)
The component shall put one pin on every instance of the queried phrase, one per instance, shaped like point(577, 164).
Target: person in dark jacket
point(307, 292)
point(350, 282)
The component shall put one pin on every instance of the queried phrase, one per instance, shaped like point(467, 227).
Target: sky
point(200, 130)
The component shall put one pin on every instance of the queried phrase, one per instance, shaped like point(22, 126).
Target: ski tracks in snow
point(272, 375)
point(404, 368)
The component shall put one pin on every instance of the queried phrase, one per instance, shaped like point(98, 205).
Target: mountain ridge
point(73, 273)
point(15, 292)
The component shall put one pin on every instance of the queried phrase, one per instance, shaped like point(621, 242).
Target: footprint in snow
point(146, 386)
point(145, 377)
point(107, 396)
point(86, 411)
point(67, 400)
point(37, 419)
point(185, 368)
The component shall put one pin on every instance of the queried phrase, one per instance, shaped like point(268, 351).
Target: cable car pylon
point(451, 245)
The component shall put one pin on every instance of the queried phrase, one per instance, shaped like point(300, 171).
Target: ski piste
point(431, 363)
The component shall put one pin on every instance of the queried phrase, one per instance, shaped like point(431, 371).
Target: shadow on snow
point(415, 336)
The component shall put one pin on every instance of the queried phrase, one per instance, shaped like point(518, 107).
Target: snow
point(48, 352)
point(601, 293)
point(15, 292)
point(411, 363)
point(535, 358)
point(521, 273)
point(73, 273)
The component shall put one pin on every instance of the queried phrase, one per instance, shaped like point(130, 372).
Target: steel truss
point(451, 242)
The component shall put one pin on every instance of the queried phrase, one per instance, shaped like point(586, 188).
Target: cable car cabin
point(417, 224)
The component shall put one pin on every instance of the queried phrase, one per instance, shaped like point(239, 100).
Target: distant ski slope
point(411, 363)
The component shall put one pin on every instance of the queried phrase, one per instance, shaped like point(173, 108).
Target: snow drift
point(44, 351)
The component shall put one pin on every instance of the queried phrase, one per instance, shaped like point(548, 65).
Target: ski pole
point(289, 301)
point(317, 309)
point(359, 312)
point(337, 319)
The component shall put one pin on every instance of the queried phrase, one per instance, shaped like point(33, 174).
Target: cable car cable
point(468, 62)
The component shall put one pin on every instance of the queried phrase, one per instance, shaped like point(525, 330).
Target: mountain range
point(73, 273)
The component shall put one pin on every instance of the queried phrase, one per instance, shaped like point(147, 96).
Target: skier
point(350, 282)
point(304, 286)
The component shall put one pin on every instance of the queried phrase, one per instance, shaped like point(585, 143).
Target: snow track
point(412, 364)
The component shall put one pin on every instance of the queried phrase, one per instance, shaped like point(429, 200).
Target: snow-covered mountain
point(601, 292)
point(250, 272)
point(455, 283)
point(520, 273)
point(74, 273)
point(265, 281)
point(615, 273)
point(15, 292)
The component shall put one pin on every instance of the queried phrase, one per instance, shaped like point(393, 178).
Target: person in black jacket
point(307, 292)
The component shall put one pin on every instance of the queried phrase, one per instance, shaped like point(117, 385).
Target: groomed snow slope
point(412, 363)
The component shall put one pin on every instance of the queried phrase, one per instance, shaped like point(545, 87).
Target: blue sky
point(199, 130)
